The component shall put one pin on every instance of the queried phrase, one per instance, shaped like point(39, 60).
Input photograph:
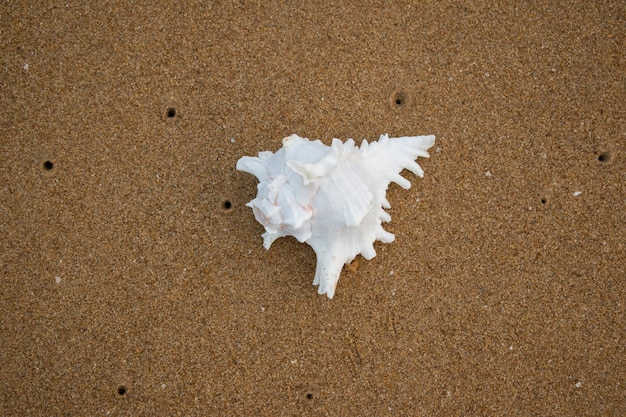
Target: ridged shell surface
point(331, 197)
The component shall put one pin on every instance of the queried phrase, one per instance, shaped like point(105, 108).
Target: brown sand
point(129, 289)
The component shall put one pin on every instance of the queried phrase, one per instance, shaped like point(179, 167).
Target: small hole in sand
point(604, 157)
point(309, 396)
point(48, 165)
point(121, 390)
point(171, 112)
point(543, 201)
point(227, 204)
point(399, 98)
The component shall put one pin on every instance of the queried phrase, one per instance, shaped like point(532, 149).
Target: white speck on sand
point(488, 173)
point(57, 280)
point(579, 384)
point(577, 193)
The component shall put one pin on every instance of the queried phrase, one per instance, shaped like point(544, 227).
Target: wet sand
point(134, 281)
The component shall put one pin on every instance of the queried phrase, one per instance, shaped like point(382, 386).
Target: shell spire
point(331, 197)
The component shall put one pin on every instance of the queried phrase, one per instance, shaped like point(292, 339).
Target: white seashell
point(331, 197)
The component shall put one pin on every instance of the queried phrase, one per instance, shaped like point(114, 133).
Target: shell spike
point(268, 239)
point(368, 251)
point(401, 181)
point(327, 272)
point(347, 146)
point(312, 171)
point(385, 237)
point(415, 168)
point(253, 165)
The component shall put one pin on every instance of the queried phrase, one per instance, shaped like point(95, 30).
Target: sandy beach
point(133, 277)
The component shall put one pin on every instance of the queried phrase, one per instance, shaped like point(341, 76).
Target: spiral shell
point(331, 197)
